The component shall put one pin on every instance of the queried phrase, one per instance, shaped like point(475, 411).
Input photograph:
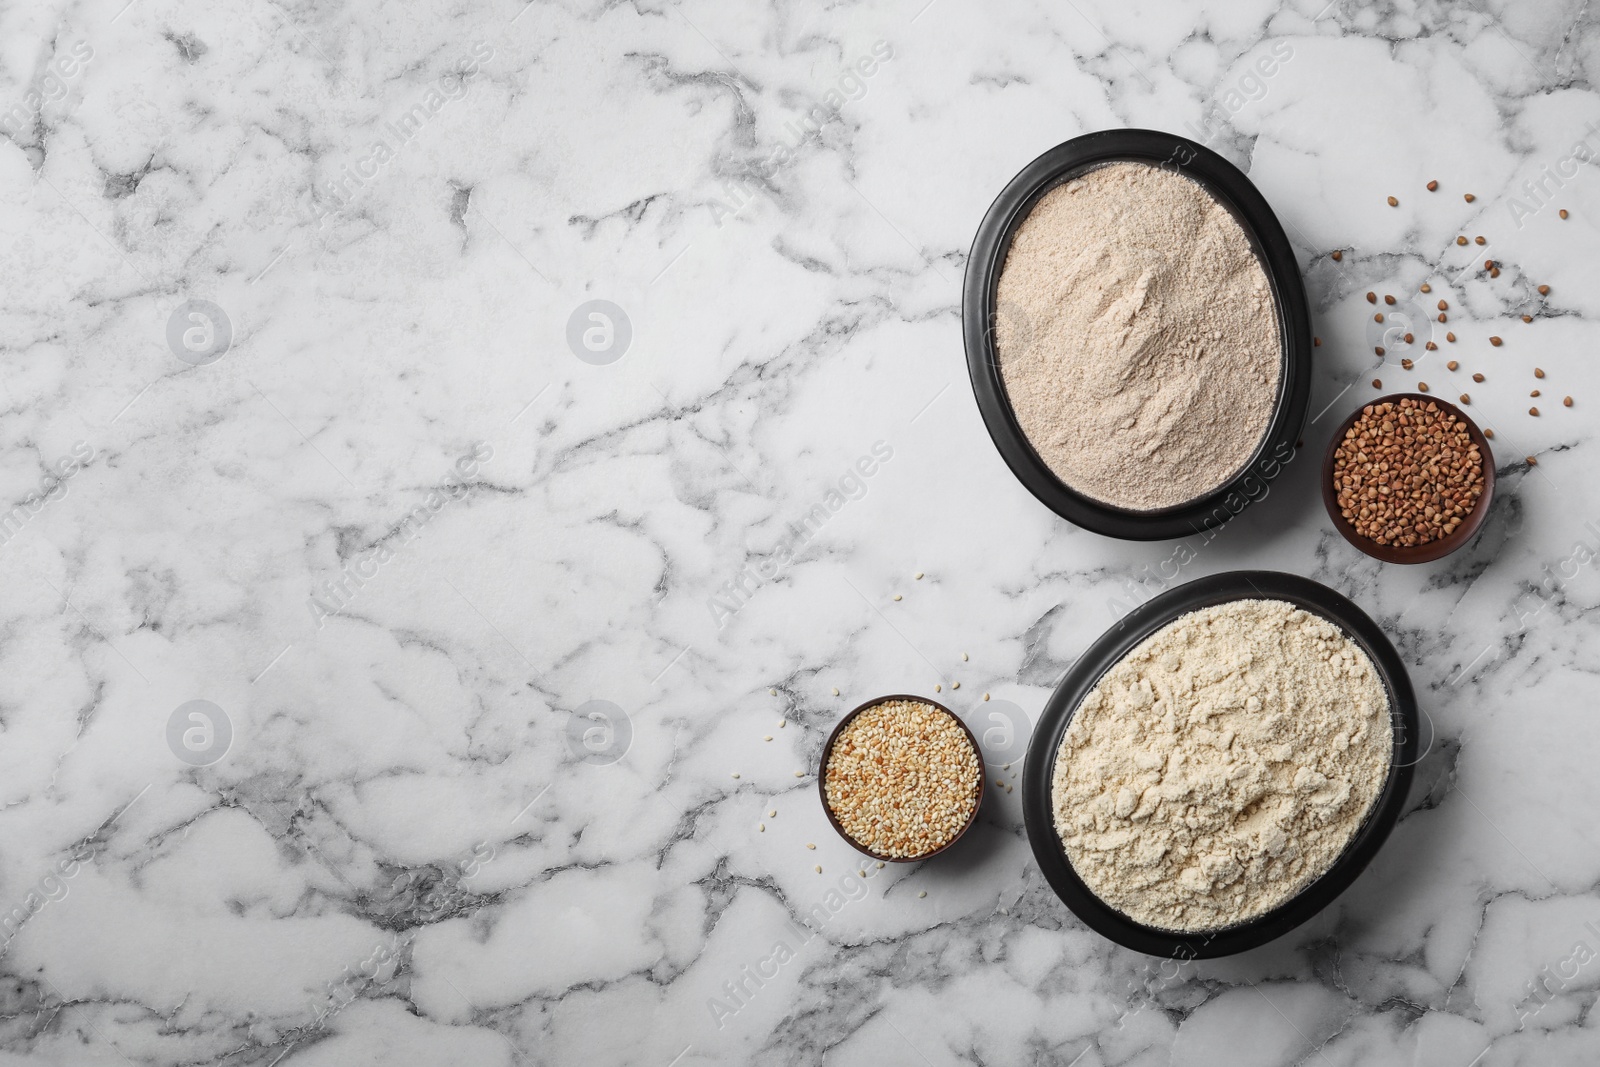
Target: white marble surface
point(403, 856)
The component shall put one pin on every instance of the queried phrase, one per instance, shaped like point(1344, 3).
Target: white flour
point(1222, 765)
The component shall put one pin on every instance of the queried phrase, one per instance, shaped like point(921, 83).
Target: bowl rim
point(1117, 642)
point(1433, 550)
point(827, 753)
point(1230, 187)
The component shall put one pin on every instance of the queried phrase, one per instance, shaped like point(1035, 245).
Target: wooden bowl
point(1425, 553)
point(822, 778)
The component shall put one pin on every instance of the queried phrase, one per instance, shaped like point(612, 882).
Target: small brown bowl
point(1433, 549)
point(822, 778)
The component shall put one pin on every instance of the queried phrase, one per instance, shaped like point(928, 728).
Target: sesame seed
point(902, 779)
point(922, 894)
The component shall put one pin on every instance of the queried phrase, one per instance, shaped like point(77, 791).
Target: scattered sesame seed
point(767, 738)
point(835, 690)
point(897, 596)
point(782, 723)
point(773, 814)
point(937, 688)
point(772, 692)
point(811, 846)
point(761, 827)
point(922, 894)
point(955, 685)
point(986, 696)
point(880, 865)
point(799, 774)
point(963, 657)
point(918, 576)
point(819, 868)
point(736, 774)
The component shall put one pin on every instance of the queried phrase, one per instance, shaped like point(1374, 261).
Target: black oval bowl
point(1121, 639)
point(1236, 193)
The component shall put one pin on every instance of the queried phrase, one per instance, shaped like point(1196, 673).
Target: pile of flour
point(1222, 765)
point(1137, 337)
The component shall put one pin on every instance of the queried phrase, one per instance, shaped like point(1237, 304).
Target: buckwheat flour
point(1222, 765)
point(1137, 337)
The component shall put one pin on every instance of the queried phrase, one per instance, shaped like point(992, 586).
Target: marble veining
point(460, 461)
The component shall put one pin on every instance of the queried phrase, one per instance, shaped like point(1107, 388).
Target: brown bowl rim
point(827, 752)
point(1433, 550)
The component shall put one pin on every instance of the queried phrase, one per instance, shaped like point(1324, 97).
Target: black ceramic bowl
point(827, 753)
point(1121, 639)
point(1235, 192)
